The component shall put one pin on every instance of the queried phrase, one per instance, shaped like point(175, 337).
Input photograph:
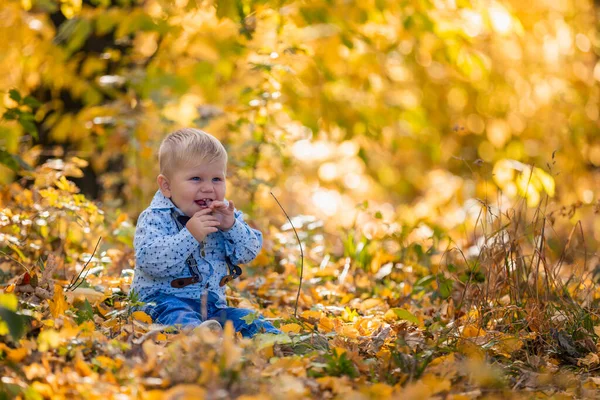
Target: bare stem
point(301, 255)
point(73, 284)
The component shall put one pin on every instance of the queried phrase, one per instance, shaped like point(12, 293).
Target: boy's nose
point(207, 187)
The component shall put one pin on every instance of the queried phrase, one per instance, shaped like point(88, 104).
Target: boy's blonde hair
point(189, 146)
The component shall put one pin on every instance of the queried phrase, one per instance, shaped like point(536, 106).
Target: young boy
point(189, 241)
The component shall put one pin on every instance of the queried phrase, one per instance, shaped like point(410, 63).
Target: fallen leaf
point(142, 317)
point(58, 304)
point(469, 331)
point(395, 314)
point(184, 392)
point(369, 303)
point(287, 328)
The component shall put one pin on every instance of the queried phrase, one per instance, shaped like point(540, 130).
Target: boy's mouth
point(203, 202)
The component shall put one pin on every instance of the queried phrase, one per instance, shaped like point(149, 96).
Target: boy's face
point(192, 189)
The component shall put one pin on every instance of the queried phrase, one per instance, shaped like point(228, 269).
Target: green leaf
point(15, 95)
point(250, 318)
point(14, 321)
point(11, 114)
point(8, 160)
point(29, 126)
point(444, 286)
point(405, 315)
point(85, 312)
point(227, 9)
point(31, 102)
point(77, 33)
point(13, 161)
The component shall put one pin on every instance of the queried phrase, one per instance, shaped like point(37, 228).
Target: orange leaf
point(325, 325)
point(58, 304)
point(82, 368)
point(17, 355)
point(142, 317)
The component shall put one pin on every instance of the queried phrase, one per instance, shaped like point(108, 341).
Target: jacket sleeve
point(157, 252)
point(242, 243)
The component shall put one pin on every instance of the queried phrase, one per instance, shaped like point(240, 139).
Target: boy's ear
point(164, 185)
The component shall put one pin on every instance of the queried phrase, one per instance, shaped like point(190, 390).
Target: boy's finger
point(217, 204)
point(204, 211)
point(231, 205)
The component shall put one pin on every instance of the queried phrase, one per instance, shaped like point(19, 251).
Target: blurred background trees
point(425, 110)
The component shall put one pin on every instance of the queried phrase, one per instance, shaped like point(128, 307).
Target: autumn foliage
point(439, 161)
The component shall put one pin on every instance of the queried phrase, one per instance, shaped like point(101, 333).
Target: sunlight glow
point(348, 148)
point(473, 23)
point(306, 150)
point(328, 171)
point(583, 42)
point(35, 24)
point(352, 181)
point(326, 201)
point(587, 196)
point(501, 19)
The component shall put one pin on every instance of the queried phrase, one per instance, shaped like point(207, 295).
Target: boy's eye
point(195, 178)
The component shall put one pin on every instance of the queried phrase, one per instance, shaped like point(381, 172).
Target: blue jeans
point(172, 310)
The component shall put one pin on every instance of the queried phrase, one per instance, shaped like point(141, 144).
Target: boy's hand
point(224, 213)
point(202, 223)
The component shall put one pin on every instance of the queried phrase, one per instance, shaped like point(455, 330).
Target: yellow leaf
point(335, 384)
point(43, 389)
point(338, 351)
point(325, 325)
point(142, 317)
point(48, 339)
point(436, 384)
point(442, 359)
point(546, 180)
point(287, 328)
point(105, 362)
point(309, 314)
point(471, 330)
point(9, 301)
point(58, 305)
point(348, 331)
point(185, 392)
point(369, 303)
point(378, 391)
point(508, 345)
point(590, 360)
point(89, 294)
point(231, 353)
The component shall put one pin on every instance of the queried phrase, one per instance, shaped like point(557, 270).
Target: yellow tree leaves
point(518, 179)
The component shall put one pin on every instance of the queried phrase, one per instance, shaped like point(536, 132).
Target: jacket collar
point(160, 202)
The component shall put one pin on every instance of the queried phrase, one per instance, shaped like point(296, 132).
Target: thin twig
point(17, 261)
point(72, 285)
point(301, 254)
